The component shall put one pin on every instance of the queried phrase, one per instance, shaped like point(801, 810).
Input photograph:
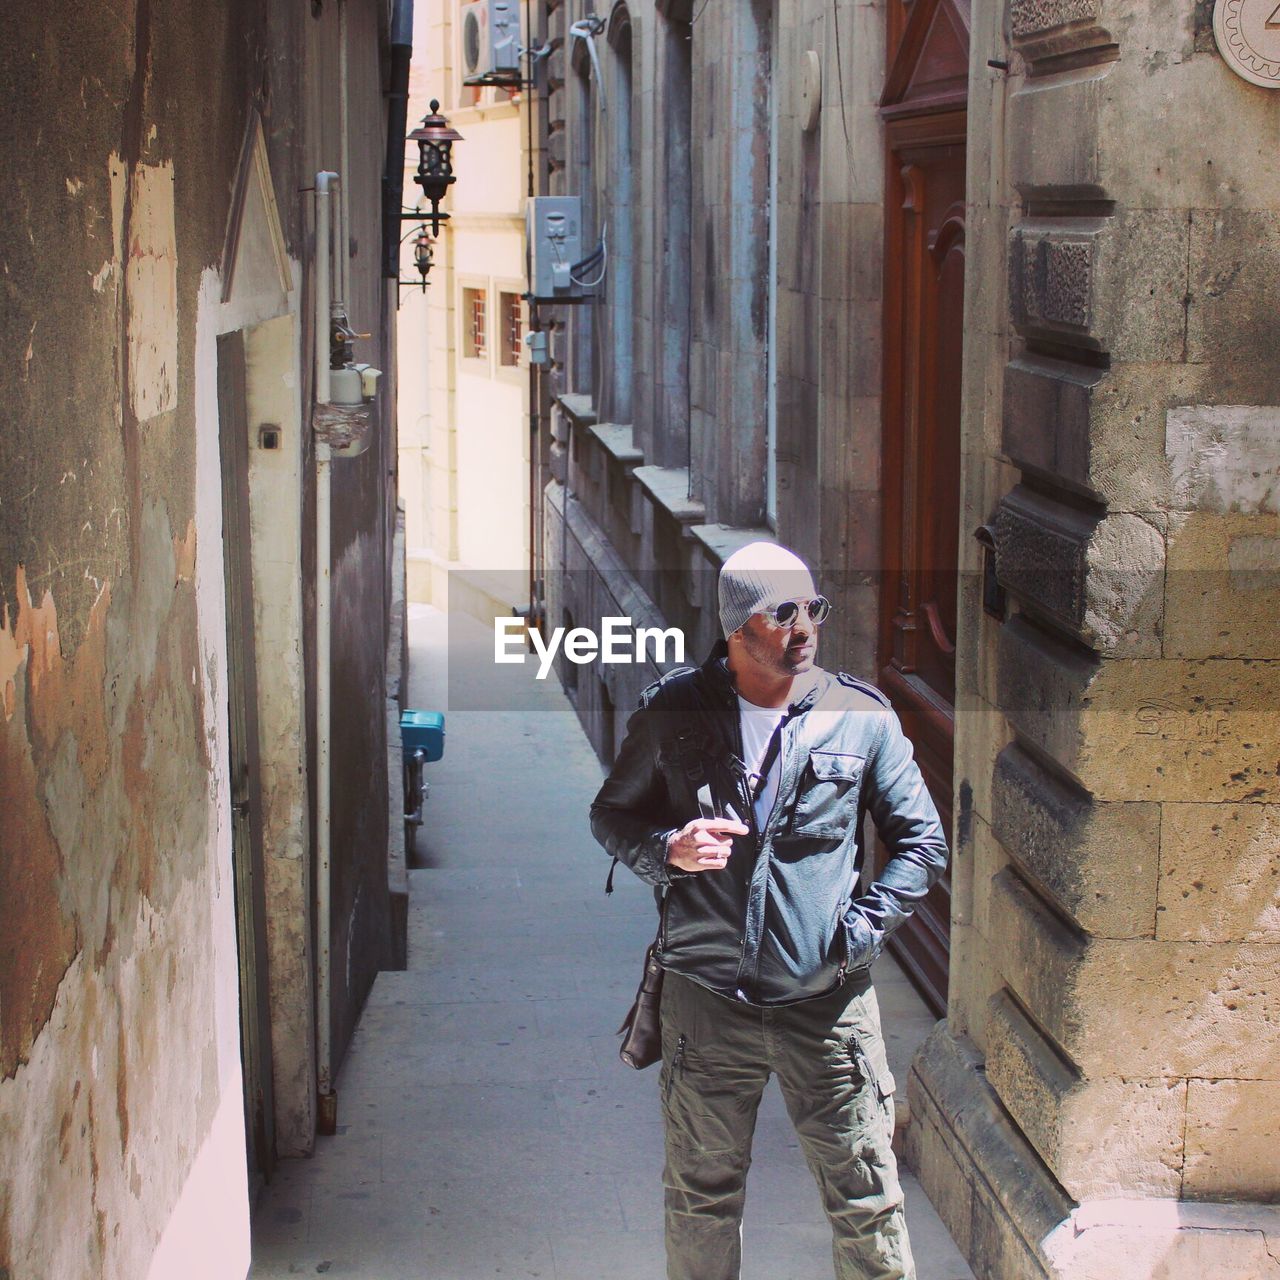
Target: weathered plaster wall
point(275, 503)
point(121, 1126)
point(1112, 1016)
point(119, 1073)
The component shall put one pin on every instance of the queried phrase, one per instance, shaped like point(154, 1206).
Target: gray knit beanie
point(760, 576)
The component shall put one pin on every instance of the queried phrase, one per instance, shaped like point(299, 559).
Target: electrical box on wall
point(553, 225)
point(491, 42)
point(535, 345)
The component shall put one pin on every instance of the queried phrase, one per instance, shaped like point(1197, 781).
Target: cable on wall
point(844, 118)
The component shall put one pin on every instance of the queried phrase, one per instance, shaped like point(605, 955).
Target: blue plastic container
point(423, 730)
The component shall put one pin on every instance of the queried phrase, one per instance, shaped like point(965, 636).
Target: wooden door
point(246, 790)
point(924, 111)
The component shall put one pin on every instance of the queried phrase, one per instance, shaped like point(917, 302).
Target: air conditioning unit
point(491, 42)
point(557, 271)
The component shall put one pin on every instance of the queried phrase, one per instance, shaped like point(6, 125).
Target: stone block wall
point(716, 90)
point(1115, 941)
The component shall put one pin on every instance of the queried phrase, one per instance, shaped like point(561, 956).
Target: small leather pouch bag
point(641, 1030)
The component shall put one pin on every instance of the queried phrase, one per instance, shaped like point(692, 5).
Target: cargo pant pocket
point(877, 1087)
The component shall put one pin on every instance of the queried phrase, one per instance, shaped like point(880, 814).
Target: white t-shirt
point(758, 724)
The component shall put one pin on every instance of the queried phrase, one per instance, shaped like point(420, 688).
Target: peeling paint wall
point(117, 974)
point(122, 1147)
point(119, 1050)
point(275, 505)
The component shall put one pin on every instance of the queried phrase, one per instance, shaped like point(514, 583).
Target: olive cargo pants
point(828, 1054)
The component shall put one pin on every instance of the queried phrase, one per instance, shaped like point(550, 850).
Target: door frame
point(244, 763)
point(922, 946)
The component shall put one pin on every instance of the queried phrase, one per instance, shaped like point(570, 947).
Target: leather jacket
point(782, 922)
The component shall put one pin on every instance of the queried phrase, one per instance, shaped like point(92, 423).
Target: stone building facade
point(972, 306)
point(464, 444)
point(158, 655)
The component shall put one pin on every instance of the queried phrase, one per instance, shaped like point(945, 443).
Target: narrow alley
point(485, 1125)
point(342, 337)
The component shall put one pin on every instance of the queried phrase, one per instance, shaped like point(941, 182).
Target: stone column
point(1104, 1099)
point(732, 65)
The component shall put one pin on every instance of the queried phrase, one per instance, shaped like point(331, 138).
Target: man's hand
point(703, 844)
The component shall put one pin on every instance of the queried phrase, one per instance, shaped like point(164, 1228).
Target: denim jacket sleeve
point(626, 815)
point(908, 823)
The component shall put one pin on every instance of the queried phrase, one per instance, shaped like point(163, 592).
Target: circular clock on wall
point(1248, 36)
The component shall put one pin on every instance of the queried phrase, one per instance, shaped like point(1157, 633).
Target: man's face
point(781, 651)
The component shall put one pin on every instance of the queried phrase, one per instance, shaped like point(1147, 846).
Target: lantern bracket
point(422, 255)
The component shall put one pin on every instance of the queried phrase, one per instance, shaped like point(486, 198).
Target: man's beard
point(787, 663)
point(800, 659)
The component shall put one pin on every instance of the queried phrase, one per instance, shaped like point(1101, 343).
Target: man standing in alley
point(739, 793)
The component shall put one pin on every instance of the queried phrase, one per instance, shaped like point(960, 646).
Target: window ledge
point(616, 438)
point(577, 408)
point(722, 540)
point(668, 487)
point(480, 112)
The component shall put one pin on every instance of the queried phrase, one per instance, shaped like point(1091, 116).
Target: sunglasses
point(788, 612)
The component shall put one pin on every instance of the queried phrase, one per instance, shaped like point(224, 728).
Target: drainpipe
point(397, 122)
point(324, 287)
point(324, 998)
point(533, 618)
point(344, 207)
point(328, 1101)
point(338, 274)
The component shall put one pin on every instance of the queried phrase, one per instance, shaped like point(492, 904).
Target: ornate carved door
point(923, 106)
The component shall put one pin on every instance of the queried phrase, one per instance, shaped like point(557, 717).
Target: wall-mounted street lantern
point(423, 256)
point(435, 138)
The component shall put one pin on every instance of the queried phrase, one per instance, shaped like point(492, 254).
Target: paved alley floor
point(486, 1129)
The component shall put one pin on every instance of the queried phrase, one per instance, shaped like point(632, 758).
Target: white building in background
point(464, 437)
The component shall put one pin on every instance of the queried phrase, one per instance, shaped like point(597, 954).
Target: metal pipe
point(526, 105)
point(324, 289)
point(344, 206)
point(339, 307)
point(339, 313)
point(324, 997)
point(324, 1011)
